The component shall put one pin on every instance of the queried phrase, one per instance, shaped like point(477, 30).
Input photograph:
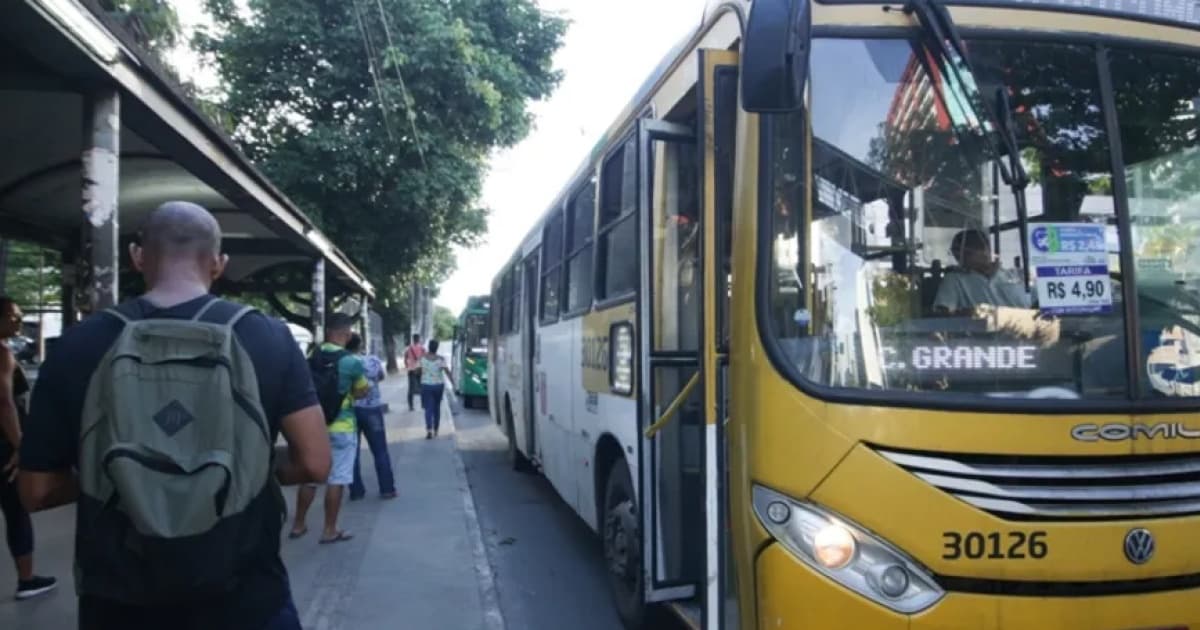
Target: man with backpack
point(340, 378)
point(160, 416)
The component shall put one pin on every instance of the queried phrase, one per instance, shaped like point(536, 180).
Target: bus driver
point(979, 280)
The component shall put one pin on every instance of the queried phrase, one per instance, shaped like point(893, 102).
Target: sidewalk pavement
point(417, 561)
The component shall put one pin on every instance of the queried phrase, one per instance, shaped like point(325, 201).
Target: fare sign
point(1071, 264)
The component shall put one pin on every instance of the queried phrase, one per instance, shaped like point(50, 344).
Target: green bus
point(469, 367)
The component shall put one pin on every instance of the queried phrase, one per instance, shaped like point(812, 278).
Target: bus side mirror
point(775, 56)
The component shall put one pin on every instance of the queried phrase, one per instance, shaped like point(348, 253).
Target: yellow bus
point(881, 316)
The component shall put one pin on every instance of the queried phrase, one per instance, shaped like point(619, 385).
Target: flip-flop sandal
point(293, 535)
point(341, 536)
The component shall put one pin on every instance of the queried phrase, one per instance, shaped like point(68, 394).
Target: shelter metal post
point(101, 170)
point(318, 302)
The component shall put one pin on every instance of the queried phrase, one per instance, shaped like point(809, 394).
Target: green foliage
point(377, 116)
point(443, 323)
point(153, 23)
point(1059, 124)
point(893, 296)
point(33, 275)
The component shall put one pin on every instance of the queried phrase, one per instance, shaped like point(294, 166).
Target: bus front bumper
point(791, 595)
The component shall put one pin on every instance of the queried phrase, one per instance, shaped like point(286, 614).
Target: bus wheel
point(519, 462)
point(623, 546)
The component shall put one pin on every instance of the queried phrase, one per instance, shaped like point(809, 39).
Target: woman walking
point(433, 366)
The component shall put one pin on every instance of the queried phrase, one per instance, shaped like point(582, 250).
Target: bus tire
point(516, 459)
point(620, 531)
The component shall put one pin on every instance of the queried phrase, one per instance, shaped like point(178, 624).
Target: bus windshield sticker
point(1070, 261)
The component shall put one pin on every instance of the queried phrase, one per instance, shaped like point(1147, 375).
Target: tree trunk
point(389, 348)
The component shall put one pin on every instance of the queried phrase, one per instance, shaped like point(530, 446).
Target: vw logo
point(1139, 546)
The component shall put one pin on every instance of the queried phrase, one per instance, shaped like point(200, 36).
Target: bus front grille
point(1063, 488)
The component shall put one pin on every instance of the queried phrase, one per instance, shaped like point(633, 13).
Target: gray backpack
point(174, 460)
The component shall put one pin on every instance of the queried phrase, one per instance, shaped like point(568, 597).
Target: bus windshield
point(474, 335)
point(914, 270)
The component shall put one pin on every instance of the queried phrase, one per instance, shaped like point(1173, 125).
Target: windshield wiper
point(942, 33)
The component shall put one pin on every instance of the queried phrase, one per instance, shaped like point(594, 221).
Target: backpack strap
point(200, 314)
point(127, 312)
point(222, 312)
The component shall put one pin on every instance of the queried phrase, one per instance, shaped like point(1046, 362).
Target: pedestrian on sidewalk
point(340, 380)
point(18, 527)
point(433, 368)
point(412, 365)
point(180, 397)
point(369, 411)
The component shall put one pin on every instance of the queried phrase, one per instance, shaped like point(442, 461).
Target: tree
point(377, 116)
point(153, 23)
point(32, 276)
point(1056, 104)
point(444, 322)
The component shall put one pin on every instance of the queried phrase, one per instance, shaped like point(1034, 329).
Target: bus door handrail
point(673, 409)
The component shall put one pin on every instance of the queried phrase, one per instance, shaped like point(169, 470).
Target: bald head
point(179, 242)
point(178, 229)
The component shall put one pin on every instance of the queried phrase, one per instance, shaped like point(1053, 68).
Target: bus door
point(686, 195)
point(718, 96)
point(671, 314)
point(529, 358)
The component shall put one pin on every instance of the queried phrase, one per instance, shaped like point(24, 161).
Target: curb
point(493, 617)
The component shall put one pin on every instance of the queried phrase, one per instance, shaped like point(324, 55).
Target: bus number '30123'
point(994, 545)
point(595, 353)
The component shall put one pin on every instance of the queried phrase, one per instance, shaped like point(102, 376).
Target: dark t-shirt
point(51, 437)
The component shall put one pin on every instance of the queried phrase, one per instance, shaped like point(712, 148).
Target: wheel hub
point(620, 541)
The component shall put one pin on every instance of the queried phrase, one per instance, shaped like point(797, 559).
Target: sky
point(610, 48)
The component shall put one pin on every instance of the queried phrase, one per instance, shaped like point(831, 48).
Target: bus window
point(552, 241)
point(677, 248)
point(581, 222)
point(618, 261)
point(1158, 104)
point(512, 287)
point(502, 288)
point(904, 266)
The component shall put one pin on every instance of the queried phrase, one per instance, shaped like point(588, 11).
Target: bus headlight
point(846, 553)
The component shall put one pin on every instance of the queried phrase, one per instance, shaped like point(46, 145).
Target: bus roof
point(477, 304)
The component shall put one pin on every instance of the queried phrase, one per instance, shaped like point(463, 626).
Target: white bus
point(725, 342)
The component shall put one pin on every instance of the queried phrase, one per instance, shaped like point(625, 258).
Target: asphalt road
point(548, 564)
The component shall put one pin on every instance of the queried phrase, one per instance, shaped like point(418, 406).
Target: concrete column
point(318, 302)
point(364, 315)
point(101, 164)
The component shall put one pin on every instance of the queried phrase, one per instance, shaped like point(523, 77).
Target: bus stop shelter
point(95, 136)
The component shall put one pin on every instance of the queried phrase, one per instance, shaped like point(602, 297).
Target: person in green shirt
point(343, 433)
